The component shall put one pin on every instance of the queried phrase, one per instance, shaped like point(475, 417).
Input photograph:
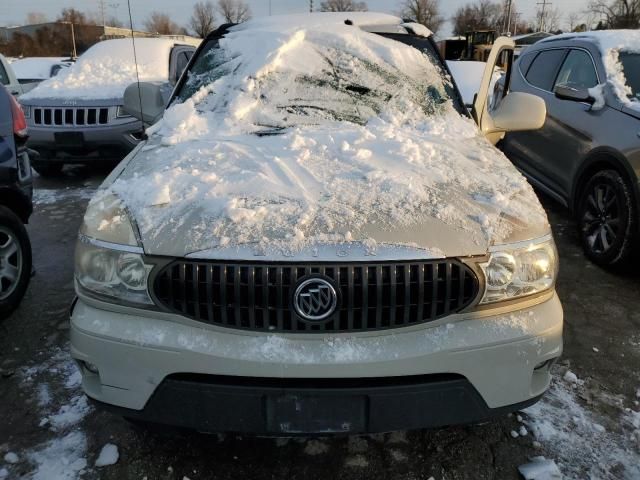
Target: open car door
point(502, 111)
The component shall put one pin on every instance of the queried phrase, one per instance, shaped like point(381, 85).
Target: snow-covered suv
point(76, 117)
point(316, 238)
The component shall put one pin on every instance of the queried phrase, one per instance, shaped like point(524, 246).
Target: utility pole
point(506, 24)
point(543, 17)
point(310, 6)
point(102, 7)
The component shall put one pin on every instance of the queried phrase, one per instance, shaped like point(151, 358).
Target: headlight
point(106, 219)
point(26, 110)
point(111, 275)
point(109, 262)
point(120, 113)
point(519, 270)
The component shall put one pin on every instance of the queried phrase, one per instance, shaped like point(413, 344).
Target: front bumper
point(167, 369)
point(108, 142)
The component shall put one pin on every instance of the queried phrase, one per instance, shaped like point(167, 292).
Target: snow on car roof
point(36, 68)
point(107, 69)
point(368, 140)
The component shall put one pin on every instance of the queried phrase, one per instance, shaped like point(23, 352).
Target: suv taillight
point(19, 121)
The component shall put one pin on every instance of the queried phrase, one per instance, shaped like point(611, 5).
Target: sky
point(13, 12)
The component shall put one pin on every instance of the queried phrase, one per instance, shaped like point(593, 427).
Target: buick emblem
point(315, 299)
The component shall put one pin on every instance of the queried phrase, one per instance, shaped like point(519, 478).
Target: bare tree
point(74, 16)
point(617, 13)
point(426, 12)
point(161, 24)
point(478, 16)
point(234, 11)
point(203, 19)
point(36, 17)
point(343, 6)
point(548, 19)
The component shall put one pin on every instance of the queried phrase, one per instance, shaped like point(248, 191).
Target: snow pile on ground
point(576, 438)
point(107, 69)
point(468, 76)
point(366, 137)
point(48, 196)
point(540, 469)
point(108, 455)
point(63, 457)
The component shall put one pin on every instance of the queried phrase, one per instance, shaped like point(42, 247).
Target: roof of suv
point(605, 39)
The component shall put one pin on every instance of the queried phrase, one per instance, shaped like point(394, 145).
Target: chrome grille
point(65, 116)
point(371, 297)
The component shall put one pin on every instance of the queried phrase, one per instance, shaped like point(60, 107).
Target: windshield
point(336, 85)
point(631, 65)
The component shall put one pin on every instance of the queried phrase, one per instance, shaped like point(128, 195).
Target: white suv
point(316, 238)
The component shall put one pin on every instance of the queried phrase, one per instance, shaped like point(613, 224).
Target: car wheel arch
point(599, 159)
point(15, 202)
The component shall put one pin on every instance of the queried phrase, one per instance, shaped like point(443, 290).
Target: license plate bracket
point(300, 414)
point(69, 139)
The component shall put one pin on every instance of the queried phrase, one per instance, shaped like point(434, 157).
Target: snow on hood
point(396, 165)
point(107, 69)
point(612, 43)
point(37, 68)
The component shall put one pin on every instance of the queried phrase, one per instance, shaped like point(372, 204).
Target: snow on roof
point(322, 20)
point(37, 68)
point(107, 69)
point(368, 142)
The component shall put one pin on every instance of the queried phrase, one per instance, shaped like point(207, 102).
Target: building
point(61, 39)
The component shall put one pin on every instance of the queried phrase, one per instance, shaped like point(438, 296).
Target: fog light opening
point(547, 364)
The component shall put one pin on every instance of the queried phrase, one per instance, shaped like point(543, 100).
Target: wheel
point(608, 219)
point(48, 169)
point(15, 261)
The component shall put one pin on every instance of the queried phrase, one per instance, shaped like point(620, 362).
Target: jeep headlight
point(519, 270)
point(109, 263)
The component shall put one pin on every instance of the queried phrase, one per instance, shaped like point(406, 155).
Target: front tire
point(608, 219)
point(15, 261)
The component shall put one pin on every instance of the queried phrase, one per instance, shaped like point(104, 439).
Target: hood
point(107, 69)
point(298, 140)
point(318, 193)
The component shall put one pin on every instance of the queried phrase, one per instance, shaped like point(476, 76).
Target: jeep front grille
point(77, 116)
point(370, 297)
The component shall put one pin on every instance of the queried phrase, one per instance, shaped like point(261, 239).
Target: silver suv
point(317, 239)
point(76, 117)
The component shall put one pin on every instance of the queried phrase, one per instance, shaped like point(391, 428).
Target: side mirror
point(144, 102)
point(565, 92)
point(518, 112)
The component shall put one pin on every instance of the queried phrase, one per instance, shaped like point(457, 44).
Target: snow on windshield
point(107, 69)
point(367, 136)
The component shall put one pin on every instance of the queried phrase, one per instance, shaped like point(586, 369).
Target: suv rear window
point(543, 70)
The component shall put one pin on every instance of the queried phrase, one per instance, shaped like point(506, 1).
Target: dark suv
point(15, 204)
point(587, 155)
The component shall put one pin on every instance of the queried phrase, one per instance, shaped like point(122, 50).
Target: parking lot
point(588, 423)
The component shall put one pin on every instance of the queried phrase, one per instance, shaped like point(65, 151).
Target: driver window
point(578, 71)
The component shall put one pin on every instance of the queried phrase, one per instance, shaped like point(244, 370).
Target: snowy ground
point(588, 426)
